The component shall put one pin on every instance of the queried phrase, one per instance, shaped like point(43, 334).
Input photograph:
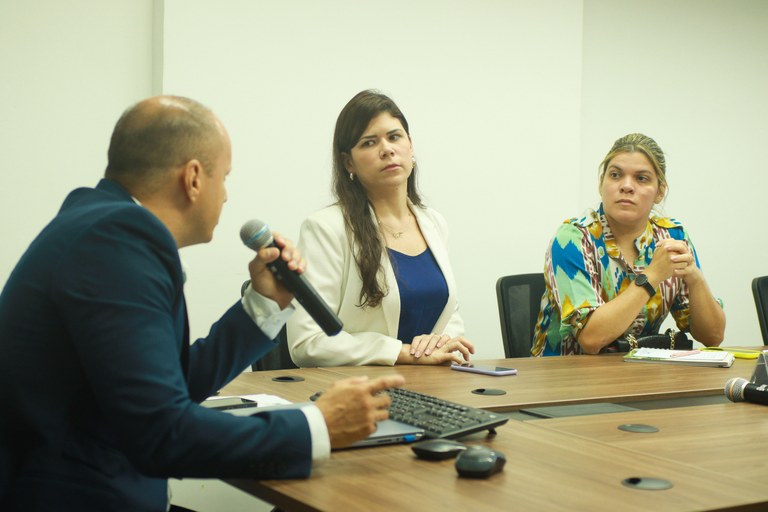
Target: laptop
point(387, 431)
point(391, 432)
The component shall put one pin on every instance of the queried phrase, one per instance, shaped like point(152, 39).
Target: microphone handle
point(756, 394)
point(307, 296)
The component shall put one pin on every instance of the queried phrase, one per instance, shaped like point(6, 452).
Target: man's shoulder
point(106, 191)
point(106, 200)
point(98, 212)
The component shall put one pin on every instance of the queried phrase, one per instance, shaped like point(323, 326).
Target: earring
point(413, 161)
point(351, 177)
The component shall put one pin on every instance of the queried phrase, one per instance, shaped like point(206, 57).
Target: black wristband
point(642, 281)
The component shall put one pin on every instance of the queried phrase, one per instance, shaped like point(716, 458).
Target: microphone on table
point(256, 235)
point(741, 390)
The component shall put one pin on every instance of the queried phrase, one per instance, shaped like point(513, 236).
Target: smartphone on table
point(484, 369)
point(226, 403)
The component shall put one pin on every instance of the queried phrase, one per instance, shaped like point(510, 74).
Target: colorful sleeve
point(681, 307)
point(573, 277)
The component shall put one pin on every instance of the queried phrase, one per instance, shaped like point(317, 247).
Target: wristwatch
point(642, 280)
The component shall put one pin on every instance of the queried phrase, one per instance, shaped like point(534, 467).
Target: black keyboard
point(440, 418)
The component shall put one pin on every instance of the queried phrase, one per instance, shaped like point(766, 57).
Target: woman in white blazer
point(378, 256)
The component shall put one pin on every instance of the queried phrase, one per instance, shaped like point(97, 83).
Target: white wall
point(693, 75)
point(491, 90)
point(511, 106)
point(69, 69)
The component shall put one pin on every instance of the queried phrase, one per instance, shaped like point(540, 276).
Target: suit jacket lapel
point(390, 304)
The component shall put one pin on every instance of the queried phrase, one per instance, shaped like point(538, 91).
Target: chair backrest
point(279, 358)
point(760, 292)
point(519, 299)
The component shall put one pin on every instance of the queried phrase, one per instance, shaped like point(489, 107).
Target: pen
point(686, 353)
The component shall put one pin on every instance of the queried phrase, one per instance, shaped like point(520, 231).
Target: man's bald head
point(159, 134)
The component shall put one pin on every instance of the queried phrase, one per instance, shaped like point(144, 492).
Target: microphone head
point(734, 389)
point(255, 234)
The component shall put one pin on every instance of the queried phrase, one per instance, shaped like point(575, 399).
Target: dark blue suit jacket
point(99, 387)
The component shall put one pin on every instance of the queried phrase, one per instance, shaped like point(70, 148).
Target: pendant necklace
point(397, 235)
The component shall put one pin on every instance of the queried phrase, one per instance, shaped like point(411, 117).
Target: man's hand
point(262, 279)
point(352, 407)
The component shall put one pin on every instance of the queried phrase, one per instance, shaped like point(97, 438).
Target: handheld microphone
point(741, 390)
point(256, 235)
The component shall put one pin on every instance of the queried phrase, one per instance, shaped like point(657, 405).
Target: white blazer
point(369, 335)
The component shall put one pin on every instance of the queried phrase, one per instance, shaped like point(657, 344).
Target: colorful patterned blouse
point(584, 269)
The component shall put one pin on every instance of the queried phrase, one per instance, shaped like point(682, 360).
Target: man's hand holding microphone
point(351, 407)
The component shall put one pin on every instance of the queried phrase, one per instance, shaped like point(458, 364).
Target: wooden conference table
point(547, 381)
point(709, 453)
point(724, 438)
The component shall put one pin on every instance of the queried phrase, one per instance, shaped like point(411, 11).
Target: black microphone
point(256, 235)
point(741, 390)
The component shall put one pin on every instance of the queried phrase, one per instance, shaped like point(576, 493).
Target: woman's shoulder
point(664, 227)
point(577, 229)
point(666, 222)
point(326, 224)
point(427, 212)
point(330, 216)
point(587, 220)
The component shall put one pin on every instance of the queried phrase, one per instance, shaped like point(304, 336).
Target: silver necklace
point(394, 234)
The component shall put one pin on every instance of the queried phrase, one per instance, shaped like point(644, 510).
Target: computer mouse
point(437, 449)
point(479, 462)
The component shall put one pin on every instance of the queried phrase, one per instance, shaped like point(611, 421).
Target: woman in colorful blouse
point(622, 269)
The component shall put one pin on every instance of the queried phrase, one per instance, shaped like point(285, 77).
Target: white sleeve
point(265, 312)
point(321, 443)
point(333, 273)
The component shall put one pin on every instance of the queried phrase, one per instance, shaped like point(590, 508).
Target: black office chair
point(278, 358)
point(519, 298)
point(760, 292)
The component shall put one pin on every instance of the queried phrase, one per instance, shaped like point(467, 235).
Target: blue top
point(423, 293)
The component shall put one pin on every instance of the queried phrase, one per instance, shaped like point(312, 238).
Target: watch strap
point(642, 281)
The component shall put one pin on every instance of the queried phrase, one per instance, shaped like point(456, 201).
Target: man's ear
point(190, 176)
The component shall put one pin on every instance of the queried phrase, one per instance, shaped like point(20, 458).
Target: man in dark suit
point(99, 386)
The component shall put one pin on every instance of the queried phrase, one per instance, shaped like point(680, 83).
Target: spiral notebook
point(683, 357)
